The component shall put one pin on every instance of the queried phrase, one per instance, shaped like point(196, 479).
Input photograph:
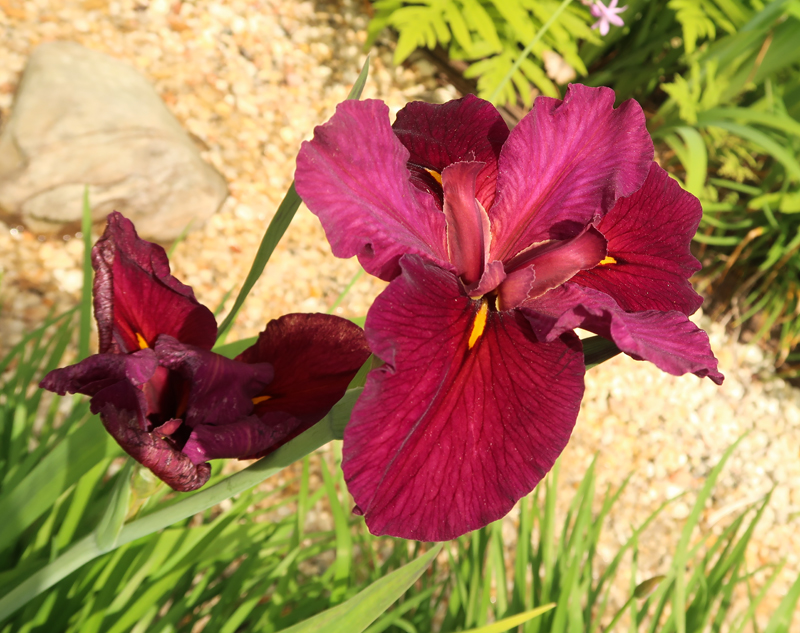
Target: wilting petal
point(468, 233)
point(238, 439)
point(315, 357)
point(353, 176)
point(552, 264)
point(120, 408)
point(438, 135)
point(221, 390)
point(565, 163)
point(136, 298)
point(100, 371)
point(667, 339)
point(648, 236)
point(459, 424)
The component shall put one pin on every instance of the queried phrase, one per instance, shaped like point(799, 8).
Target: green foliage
point(492, 35)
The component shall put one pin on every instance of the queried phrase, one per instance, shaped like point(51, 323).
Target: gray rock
point(82, 118)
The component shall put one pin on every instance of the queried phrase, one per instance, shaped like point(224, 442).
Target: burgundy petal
point(467, 223)
point(136, 298)
point(120, 408)
point(667, 339)
point(221, 390)
point(648, 235)
point(438, 135)
point(353, 176)
point(553, 264)
point(465, 418)
point(247, 436)
point(315, 357)
point(565, 163)
point(100, 371)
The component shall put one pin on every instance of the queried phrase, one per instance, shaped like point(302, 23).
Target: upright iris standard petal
point(649, 261)
point(136, 298)
point(354, 174)
point(438, 135)
point(667, 339)
point(315, 357)
point(465, 418)
point(565, 163)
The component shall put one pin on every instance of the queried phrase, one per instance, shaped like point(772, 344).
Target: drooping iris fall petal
point(461, 422)
point(136, 298)
point(648, 235)
point(667, 339)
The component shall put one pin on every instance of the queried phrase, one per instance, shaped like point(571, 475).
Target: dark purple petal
point(120, 408)
point(667, 339)
point(136, 298)
point(465, 418)
point(565, 163)
point(467, 223)
point(353, 176)
point(221, 390)
point(648, 236)
point(552, 264)
point(238, 439)
point(100, 371)
point(467, 129)
point(315, 357)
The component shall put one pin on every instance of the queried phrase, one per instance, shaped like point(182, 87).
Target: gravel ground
point(250, 80)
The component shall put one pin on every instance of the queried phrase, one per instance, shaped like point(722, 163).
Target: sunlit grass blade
point(507, 624)
point(360, 611)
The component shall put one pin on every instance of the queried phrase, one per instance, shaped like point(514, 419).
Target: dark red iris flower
point(497, 245)
point(169, 401)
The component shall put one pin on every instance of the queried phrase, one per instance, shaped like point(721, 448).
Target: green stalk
point(539, 35)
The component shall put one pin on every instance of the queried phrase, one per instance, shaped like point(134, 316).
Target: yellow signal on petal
point(479, 325)
point(608, 260)
point(436, 175)
point(261, 399)
point(142, 343)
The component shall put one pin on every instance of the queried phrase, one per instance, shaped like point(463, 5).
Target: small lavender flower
point(608, 15)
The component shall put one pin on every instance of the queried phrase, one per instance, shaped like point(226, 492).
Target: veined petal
point(136, 298)
point(468, 234)
point(100, 371)
point(247, 436)
point(564, 164)
point(438, 135)
point(648, 235)
point(465, 418)
point(315, 357)
point(221, 390)
point(353, 176)
point(667, 339)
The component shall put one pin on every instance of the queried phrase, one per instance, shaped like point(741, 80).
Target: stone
point(81, 117)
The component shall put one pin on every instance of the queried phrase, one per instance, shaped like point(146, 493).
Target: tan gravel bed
point(250, 80)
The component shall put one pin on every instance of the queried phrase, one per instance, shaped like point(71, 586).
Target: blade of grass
point(359, 612)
